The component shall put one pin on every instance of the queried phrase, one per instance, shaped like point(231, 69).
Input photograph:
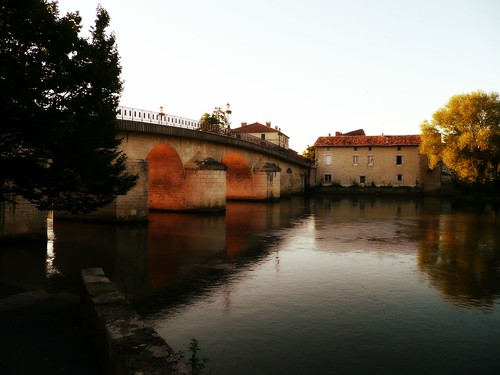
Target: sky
point(310, 67)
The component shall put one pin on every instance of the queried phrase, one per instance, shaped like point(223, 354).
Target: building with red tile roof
point(383, 160)
point(266, 132)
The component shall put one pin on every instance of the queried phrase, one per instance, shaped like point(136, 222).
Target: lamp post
point(223, 116)
point(228, 112)
point(161, 115)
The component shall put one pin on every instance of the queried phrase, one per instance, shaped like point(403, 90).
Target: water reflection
point(189, 253)
point(345, 285)
point(367, 224)
point(457, 246)
point(50, 268)
point(460, 254)
point(177, 257)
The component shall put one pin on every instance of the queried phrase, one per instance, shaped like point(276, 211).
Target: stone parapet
point(128, 344)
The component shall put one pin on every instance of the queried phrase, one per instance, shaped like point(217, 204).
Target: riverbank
point(44, 333)
point(65, 333)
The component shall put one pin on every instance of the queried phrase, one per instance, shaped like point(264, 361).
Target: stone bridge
point(191, 170)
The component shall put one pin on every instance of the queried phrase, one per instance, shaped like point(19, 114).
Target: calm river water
point(323, 286)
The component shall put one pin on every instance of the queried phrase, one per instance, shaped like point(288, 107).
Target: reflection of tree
point(461, 260)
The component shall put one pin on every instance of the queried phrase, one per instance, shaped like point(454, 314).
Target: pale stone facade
point(265, 132)
point(360, 160)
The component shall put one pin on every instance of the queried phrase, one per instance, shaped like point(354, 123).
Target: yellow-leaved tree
point(465, 136)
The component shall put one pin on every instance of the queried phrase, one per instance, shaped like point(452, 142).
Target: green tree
point(310, 153)
point(465, 136)
point(217, 121)
point(210, 123)
point(59, 94)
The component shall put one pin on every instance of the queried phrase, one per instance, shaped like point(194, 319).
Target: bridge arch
point(287, 182)
point(166, 178)
point(239, 181)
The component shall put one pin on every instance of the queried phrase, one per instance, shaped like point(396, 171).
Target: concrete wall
point(22, 220)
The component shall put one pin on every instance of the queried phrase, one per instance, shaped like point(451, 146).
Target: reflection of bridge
point(181, 168)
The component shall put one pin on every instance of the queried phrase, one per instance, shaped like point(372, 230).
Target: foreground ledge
point(128, 345)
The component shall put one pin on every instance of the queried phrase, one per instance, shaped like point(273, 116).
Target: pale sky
point(310, 67)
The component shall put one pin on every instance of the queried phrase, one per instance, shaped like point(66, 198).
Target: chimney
point(268, 124)
point(243, 124)
point(337, 134)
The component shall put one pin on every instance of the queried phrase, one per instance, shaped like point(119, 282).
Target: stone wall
point(205, 190)
point(127, 344)
point(22, 221)
point(131, 207)
point(182, 146)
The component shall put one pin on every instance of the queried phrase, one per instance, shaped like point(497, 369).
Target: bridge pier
point(131, 207)
point(267, 183)
point(257, 183)
point(205, 186)
point(199, 185)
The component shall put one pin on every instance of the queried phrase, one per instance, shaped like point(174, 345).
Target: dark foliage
point(58, 95)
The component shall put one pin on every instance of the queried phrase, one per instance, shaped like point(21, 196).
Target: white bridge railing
point(141, 115)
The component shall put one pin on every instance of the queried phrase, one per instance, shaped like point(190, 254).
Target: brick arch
point(166, 178)
point(239, 182)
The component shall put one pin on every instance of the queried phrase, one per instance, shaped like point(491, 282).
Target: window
point(370, 159)
point(400, 177)
point(399, 148)
point(355, 160)
point(399, 160)
point(328, 160)
point(327, 177)
point(262, 136)
point(355, 148)
point(369, 148)
point(362, 179)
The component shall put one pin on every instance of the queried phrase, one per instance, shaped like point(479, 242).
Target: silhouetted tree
point(59, 94)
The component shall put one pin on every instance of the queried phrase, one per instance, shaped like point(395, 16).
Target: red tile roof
point(368, 140)
point(354, 132)
point(256, 128)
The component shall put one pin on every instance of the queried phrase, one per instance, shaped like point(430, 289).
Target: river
point(367, 285)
